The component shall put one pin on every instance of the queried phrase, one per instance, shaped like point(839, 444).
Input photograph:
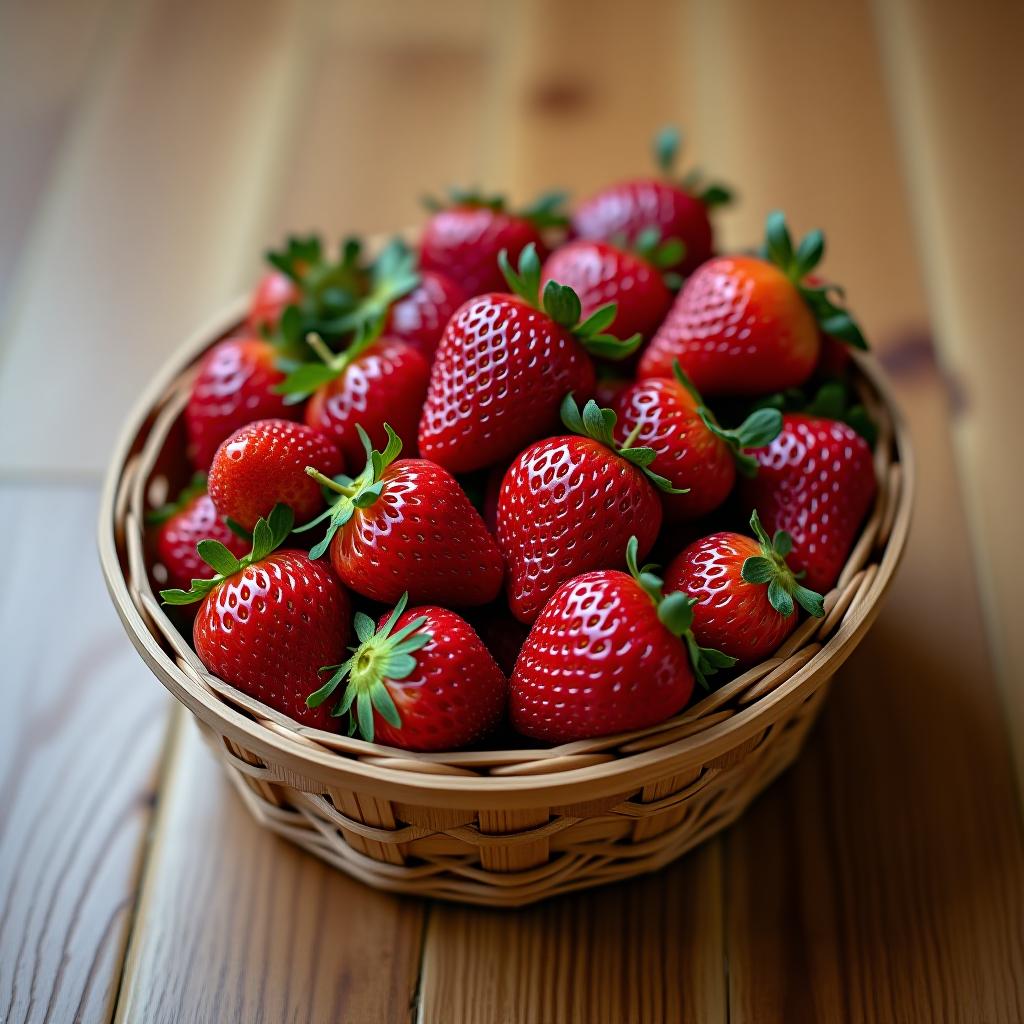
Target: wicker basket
point(497, 827)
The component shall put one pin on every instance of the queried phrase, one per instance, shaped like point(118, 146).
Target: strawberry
point(463, 240)
point(264, 464)
point(181, 524)
point(234, 385)
point(691, 449)
point(748, 326)
point(609, 652)
point(407, 526)
point(422, 681)
point(816, 481)
point(675, 210)
point(269, 620)
point(504, 365)
point(420, 317)
point(274, 292)
point(600, 273)
point(570, 504)
point(745, 591)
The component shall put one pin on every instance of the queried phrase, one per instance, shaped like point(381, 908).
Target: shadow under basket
point(497, 827)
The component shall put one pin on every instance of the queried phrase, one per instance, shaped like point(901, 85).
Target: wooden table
point(150, 150)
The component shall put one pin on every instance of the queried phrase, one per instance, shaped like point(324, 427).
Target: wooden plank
point(80, 739)
point(237, 924)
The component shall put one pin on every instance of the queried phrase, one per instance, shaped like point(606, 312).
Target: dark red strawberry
point(676, 210)
point(264, 464)
point(274, 292)
point(691, 449)
point(569, 504)
point(749, 326)
point(745, 591)
point(408, 526)
point(608, 653)
point(422, 681)
point(181, 525)
point(234, 386)
point(270, 620)
point(816, 481)
point(504, 365)
point(419, 318)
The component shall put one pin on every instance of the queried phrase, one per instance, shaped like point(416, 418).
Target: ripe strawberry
point(744, 590)
point(422, 681)
point(269, 620)
point(570, 504)
point(464, 239)
point(504, 365)
point(676, 210)
point(749, 326)
point(234, 386)
point(816, 481)
point(181, 524)
point(274, 292)
point(407, 526)
point(420, 317)
point(608, 653)
point(264, 464)
point(691, 449)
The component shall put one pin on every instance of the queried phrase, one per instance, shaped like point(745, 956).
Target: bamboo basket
point(497, 827)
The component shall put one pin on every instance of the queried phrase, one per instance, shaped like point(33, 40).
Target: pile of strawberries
point(428, 481)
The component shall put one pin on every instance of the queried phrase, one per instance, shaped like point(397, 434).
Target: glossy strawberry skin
point(738, 327)
point(386, 384)
point(233, 387)
point(600, 273)
point(177, 537)
point(264, 464)
point(627, 209)
point(816, 480)
point(463, 243)
point(500, 374)
point(569, 505)
point(421, 536)
point(731, 615)
point(268, 630)
point(274, 292)
point(598, 661)
point(419, 318)
point(456, 694)
point(688, 453)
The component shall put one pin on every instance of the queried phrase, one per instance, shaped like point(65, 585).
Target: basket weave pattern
point(498, 827)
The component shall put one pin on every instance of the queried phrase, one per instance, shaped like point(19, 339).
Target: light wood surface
point(881, 879)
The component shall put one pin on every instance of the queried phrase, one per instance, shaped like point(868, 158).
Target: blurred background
point(150, 150)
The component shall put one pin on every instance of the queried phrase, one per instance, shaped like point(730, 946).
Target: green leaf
point(314, 700)
point(562, 304)
point(676, 612)
point(844, 327)
point(778, 242)
point(757, 569)
point(779, 598)
point(811, 602)
point(570, 414)
point(546, 211)
point(605, 346)
point(281, 520)
point(364, 714)
point(809, 252)
point(598, 321)
point(667, 144)
point(760, 428)
point(218, 557)
point(382, 701)
point(262, 540)
point(364, 626)
point(716, 195)
point(782, 543)
point(526, 282)
point(305, 380)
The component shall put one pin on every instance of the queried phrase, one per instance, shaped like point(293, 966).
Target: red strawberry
point(600, 273)
point(570, 504)
point(607, 654)
point(234, 386)
point(270, 620)
point(422, 681)
point(264, 464)
point(408, 526)
point(504, 365)
point(692, 450)
point(676, 211)
point(463, 240)
point(816, 481)
point(274, 292)
point(744, 590)
point(419, 318)
point(748, 326)
point(181, 525)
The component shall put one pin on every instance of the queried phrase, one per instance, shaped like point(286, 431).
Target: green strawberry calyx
point(599, 425)
point(381, 657)
point(759, 429)
point(544, 212)
point(192, 490)
point(267, 536)
point(796, 263)
point(667, 145)
point(562, 304)
point(345, 494)
point(660, 253)
point(770, 568)
point(834, 400)
point(675, 612)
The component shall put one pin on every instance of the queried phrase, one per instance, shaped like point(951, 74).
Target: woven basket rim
point(296, 756)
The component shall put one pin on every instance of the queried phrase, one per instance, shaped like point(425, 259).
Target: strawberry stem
point(333, 485)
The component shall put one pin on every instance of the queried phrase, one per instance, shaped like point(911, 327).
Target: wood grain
point(80, 738)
